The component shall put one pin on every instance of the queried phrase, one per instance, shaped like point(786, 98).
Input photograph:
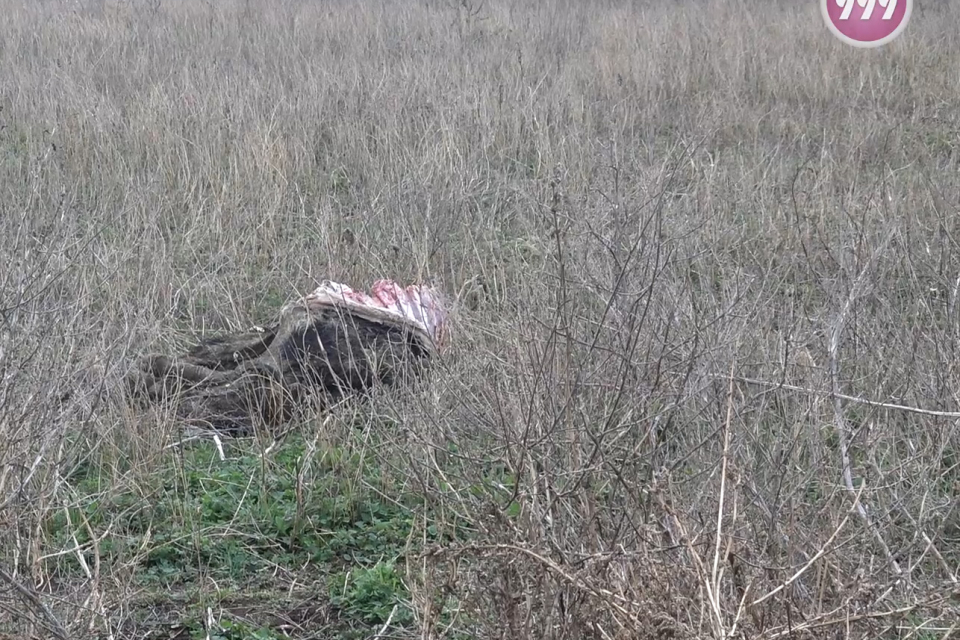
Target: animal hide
point(333, 342)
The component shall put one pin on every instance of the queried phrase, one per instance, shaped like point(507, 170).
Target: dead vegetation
point(704, 381)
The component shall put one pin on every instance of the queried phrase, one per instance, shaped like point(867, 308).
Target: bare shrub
point(704, 369)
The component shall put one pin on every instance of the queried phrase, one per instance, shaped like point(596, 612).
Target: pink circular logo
point(866, 23)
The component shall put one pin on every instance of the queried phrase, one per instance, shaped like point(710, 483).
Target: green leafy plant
point(371, 594)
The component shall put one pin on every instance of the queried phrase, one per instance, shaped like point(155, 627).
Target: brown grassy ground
point(668, 232)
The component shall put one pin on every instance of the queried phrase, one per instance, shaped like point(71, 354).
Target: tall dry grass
point(672, 233)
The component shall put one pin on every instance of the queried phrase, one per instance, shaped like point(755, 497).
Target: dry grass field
point(703, 263)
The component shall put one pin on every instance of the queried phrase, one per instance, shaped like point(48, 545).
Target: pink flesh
point(417, 303)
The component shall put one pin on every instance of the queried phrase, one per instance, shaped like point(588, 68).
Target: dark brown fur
point(232, 382)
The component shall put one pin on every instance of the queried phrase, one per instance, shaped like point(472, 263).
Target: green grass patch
point(243, 523)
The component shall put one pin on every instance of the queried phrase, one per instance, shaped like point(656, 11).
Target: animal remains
point(334, 342)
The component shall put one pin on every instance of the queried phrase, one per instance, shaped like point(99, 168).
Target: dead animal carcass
point(335, 341)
